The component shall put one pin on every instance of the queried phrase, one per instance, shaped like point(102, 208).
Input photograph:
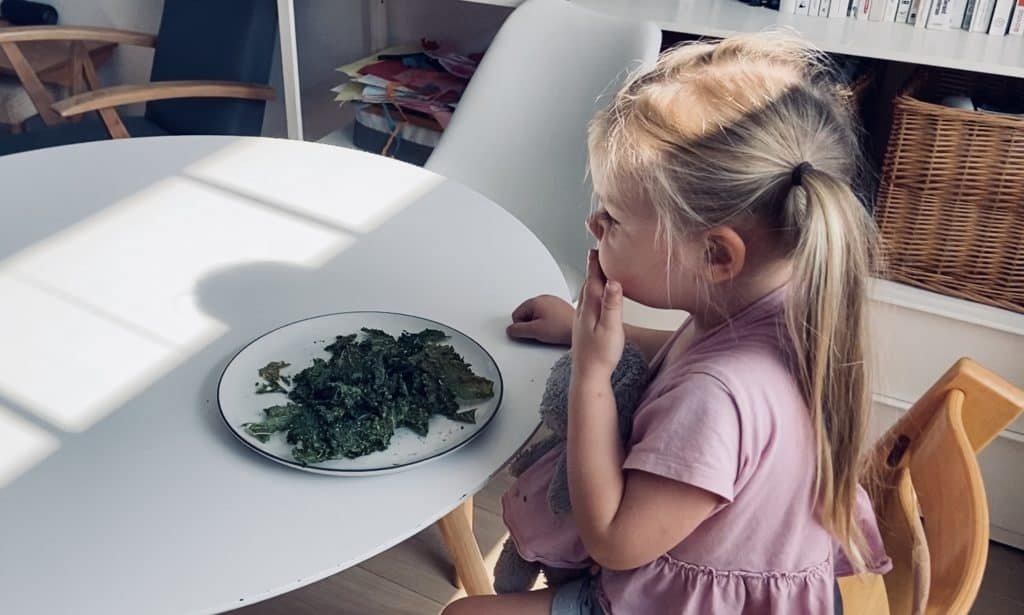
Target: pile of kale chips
point(351, 404)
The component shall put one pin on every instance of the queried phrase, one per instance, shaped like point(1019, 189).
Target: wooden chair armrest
point(118, 95)
point(23, 34)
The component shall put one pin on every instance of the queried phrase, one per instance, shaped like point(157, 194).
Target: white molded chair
point(519, 133)
point(519, 138)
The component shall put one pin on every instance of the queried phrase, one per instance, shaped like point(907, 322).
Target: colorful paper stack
point(425, 81)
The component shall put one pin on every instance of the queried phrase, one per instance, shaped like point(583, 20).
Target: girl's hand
point(545, 318)
point(598, 334)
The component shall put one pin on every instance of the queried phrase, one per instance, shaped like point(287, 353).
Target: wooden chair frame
point(934, 520)
point(86, 91)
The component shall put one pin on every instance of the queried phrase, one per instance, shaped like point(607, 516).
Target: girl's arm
point(625, 519)
point(550, 319)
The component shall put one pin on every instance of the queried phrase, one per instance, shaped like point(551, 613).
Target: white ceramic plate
point(299, 342)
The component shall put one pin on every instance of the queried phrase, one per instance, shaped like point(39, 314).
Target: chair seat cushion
point(89, 129)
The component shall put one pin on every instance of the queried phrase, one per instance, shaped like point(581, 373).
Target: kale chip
point(351, 404)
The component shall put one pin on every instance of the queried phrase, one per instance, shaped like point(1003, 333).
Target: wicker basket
point(951, 197)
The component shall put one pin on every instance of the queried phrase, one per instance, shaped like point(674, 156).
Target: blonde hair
point(711, 136)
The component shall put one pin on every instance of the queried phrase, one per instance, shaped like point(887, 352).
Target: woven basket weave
point(951, 198)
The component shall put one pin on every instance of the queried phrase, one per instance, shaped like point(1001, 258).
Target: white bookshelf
point(999, 55)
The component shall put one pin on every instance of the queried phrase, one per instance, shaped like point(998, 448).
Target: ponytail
point(826, 319)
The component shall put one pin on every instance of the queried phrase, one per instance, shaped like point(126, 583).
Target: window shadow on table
point(80, 190)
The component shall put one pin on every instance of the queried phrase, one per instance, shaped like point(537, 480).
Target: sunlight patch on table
point(364, 196)
point(111, 303)
point(66, 362)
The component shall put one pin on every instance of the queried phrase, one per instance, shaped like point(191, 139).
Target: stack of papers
point(425, 79)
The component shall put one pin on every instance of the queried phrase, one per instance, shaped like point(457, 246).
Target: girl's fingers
point(611, 305)
point(524, 312)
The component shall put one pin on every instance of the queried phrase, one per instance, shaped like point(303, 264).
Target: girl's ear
point(725, 254)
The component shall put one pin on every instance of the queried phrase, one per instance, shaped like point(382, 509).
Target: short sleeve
point(691, 434)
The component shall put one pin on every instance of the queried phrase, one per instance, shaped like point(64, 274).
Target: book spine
point(956, 13)
point(814, 8)
point(965, 23)
point(1000, 18)
point(825, 4)
point(838, 8)
point(877, 10)
point(864, 8)
point(915, 9)
point(891, 6)
point(982, 15)
point(1017, 20)
point(802, 7)
point(938, 18)
point(903, 11)
point(923, 13)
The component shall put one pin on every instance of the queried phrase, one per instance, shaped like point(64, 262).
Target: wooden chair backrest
point(930, 498)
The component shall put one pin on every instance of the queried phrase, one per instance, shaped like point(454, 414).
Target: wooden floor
point(415, 577)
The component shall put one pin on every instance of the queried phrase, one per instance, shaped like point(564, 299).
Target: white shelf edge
point(909, 297)
point(954, 48)
point(903, 405)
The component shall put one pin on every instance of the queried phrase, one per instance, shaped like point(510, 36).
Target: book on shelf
point(864, 8)
point(803, 7)
point(825, 4)
point(1017, 19)
point(851, 11)
point(838, 8)
point(956, 16)
point(903, 11)
point(1000, 18)
point(814, 7)
point(889, 14)
point(941, 15)
point(965, 23)
point(982, 15)
point(877, 9)
point(919, 11)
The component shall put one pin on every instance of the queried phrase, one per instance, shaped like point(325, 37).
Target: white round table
point(132, 271)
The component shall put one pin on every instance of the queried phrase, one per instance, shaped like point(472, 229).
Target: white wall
point(129, 64)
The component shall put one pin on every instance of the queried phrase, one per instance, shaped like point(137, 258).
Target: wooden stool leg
point(457, 531)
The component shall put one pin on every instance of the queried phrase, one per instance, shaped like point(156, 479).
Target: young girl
point(723, 177)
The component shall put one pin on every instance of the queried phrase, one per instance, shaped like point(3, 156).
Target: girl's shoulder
point(749, 365)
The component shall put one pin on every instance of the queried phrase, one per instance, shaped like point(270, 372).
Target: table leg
point(466, 507)
point(457, 530)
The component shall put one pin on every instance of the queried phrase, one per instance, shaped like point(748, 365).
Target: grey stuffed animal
point(629, 380)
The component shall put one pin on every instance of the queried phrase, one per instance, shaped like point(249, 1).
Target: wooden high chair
point(931, 504)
